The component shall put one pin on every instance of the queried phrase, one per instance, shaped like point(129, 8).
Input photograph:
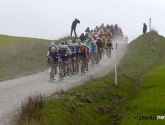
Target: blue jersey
point(73, 50)
point(91, 48)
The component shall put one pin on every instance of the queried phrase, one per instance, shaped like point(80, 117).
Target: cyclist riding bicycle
point(52, 44)
point(73, 57)
point(54, 59)
point(63, 58)
point(99, 47)
point(69, 53)
point(78, 55)
point(103, 40)
point(84, 55)
point(109, 44)
point(92, 49)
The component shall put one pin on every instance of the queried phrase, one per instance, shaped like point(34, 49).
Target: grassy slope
point(142, 55)
point(150, 101)
point(99, 101)
point(30, 58)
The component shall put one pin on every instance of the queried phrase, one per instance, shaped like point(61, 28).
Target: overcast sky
point(52, 19)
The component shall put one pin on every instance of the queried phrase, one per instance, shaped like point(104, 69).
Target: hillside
point(21, 56)
point(100, 101)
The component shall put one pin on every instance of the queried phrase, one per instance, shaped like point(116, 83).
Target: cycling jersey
point(109, 44)
point(99, 44)
point(105, 34)
point(78, 52)
point(83, 50)
point(63, 55)
point(104, 40)
point(54, 56)
point(92, 48)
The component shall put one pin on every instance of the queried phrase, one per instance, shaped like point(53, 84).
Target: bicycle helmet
point(85, 44)
point(78, 40)
point(62, 46)
point(53, 49)
point(52, 42)
point(75, 44)
point(71, 45)
point(69, 42)
point(62, 43)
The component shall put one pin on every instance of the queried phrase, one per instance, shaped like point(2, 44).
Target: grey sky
point(51, 19)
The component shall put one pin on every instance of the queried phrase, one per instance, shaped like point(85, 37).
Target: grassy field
point(11, 46)
point(100, 102)
point(149, 103)
point(20, 56)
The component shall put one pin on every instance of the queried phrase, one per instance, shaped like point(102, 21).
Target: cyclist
point(69, 54)
point(99, 47)
point(102, 27)
point(78, 54)
point(105, 34)
point(103, 40)
point(73, 57)
point(63, 58)
point(85, 45)
point(73, 41)
point(52, 44)
point(82, 37)
point(86, 35)
point(84, 55)
point(54, 59)
point(108, 45)
point(92, 49)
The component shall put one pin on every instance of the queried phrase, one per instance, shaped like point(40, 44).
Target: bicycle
point(109, 52)
point(93, 58)
point(72, 65)
point(98, 57)
point(52, 72)
point(68, 67)
point(82, 66)
point(60, 71)
point(70, 71)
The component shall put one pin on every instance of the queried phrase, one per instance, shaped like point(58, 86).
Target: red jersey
point(99, 44)
point(83, 50)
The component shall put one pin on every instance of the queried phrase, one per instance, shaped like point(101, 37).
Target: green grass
point(22, 55)
point(99, 101)
point(150, 101)
point(11, 46)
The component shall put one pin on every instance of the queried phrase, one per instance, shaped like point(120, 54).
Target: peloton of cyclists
point(92, 42)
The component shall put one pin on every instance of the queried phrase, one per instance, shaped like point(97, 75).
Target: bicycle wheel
point(70, 69)
point(82, 67)
point(110, 53)
point(60, 72)
point(73, 67)
point(92, 59)
point(98, 58)
point(51, 74)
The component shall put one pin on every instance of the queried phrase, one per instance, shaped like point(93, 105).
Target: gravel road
point(14, 91)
